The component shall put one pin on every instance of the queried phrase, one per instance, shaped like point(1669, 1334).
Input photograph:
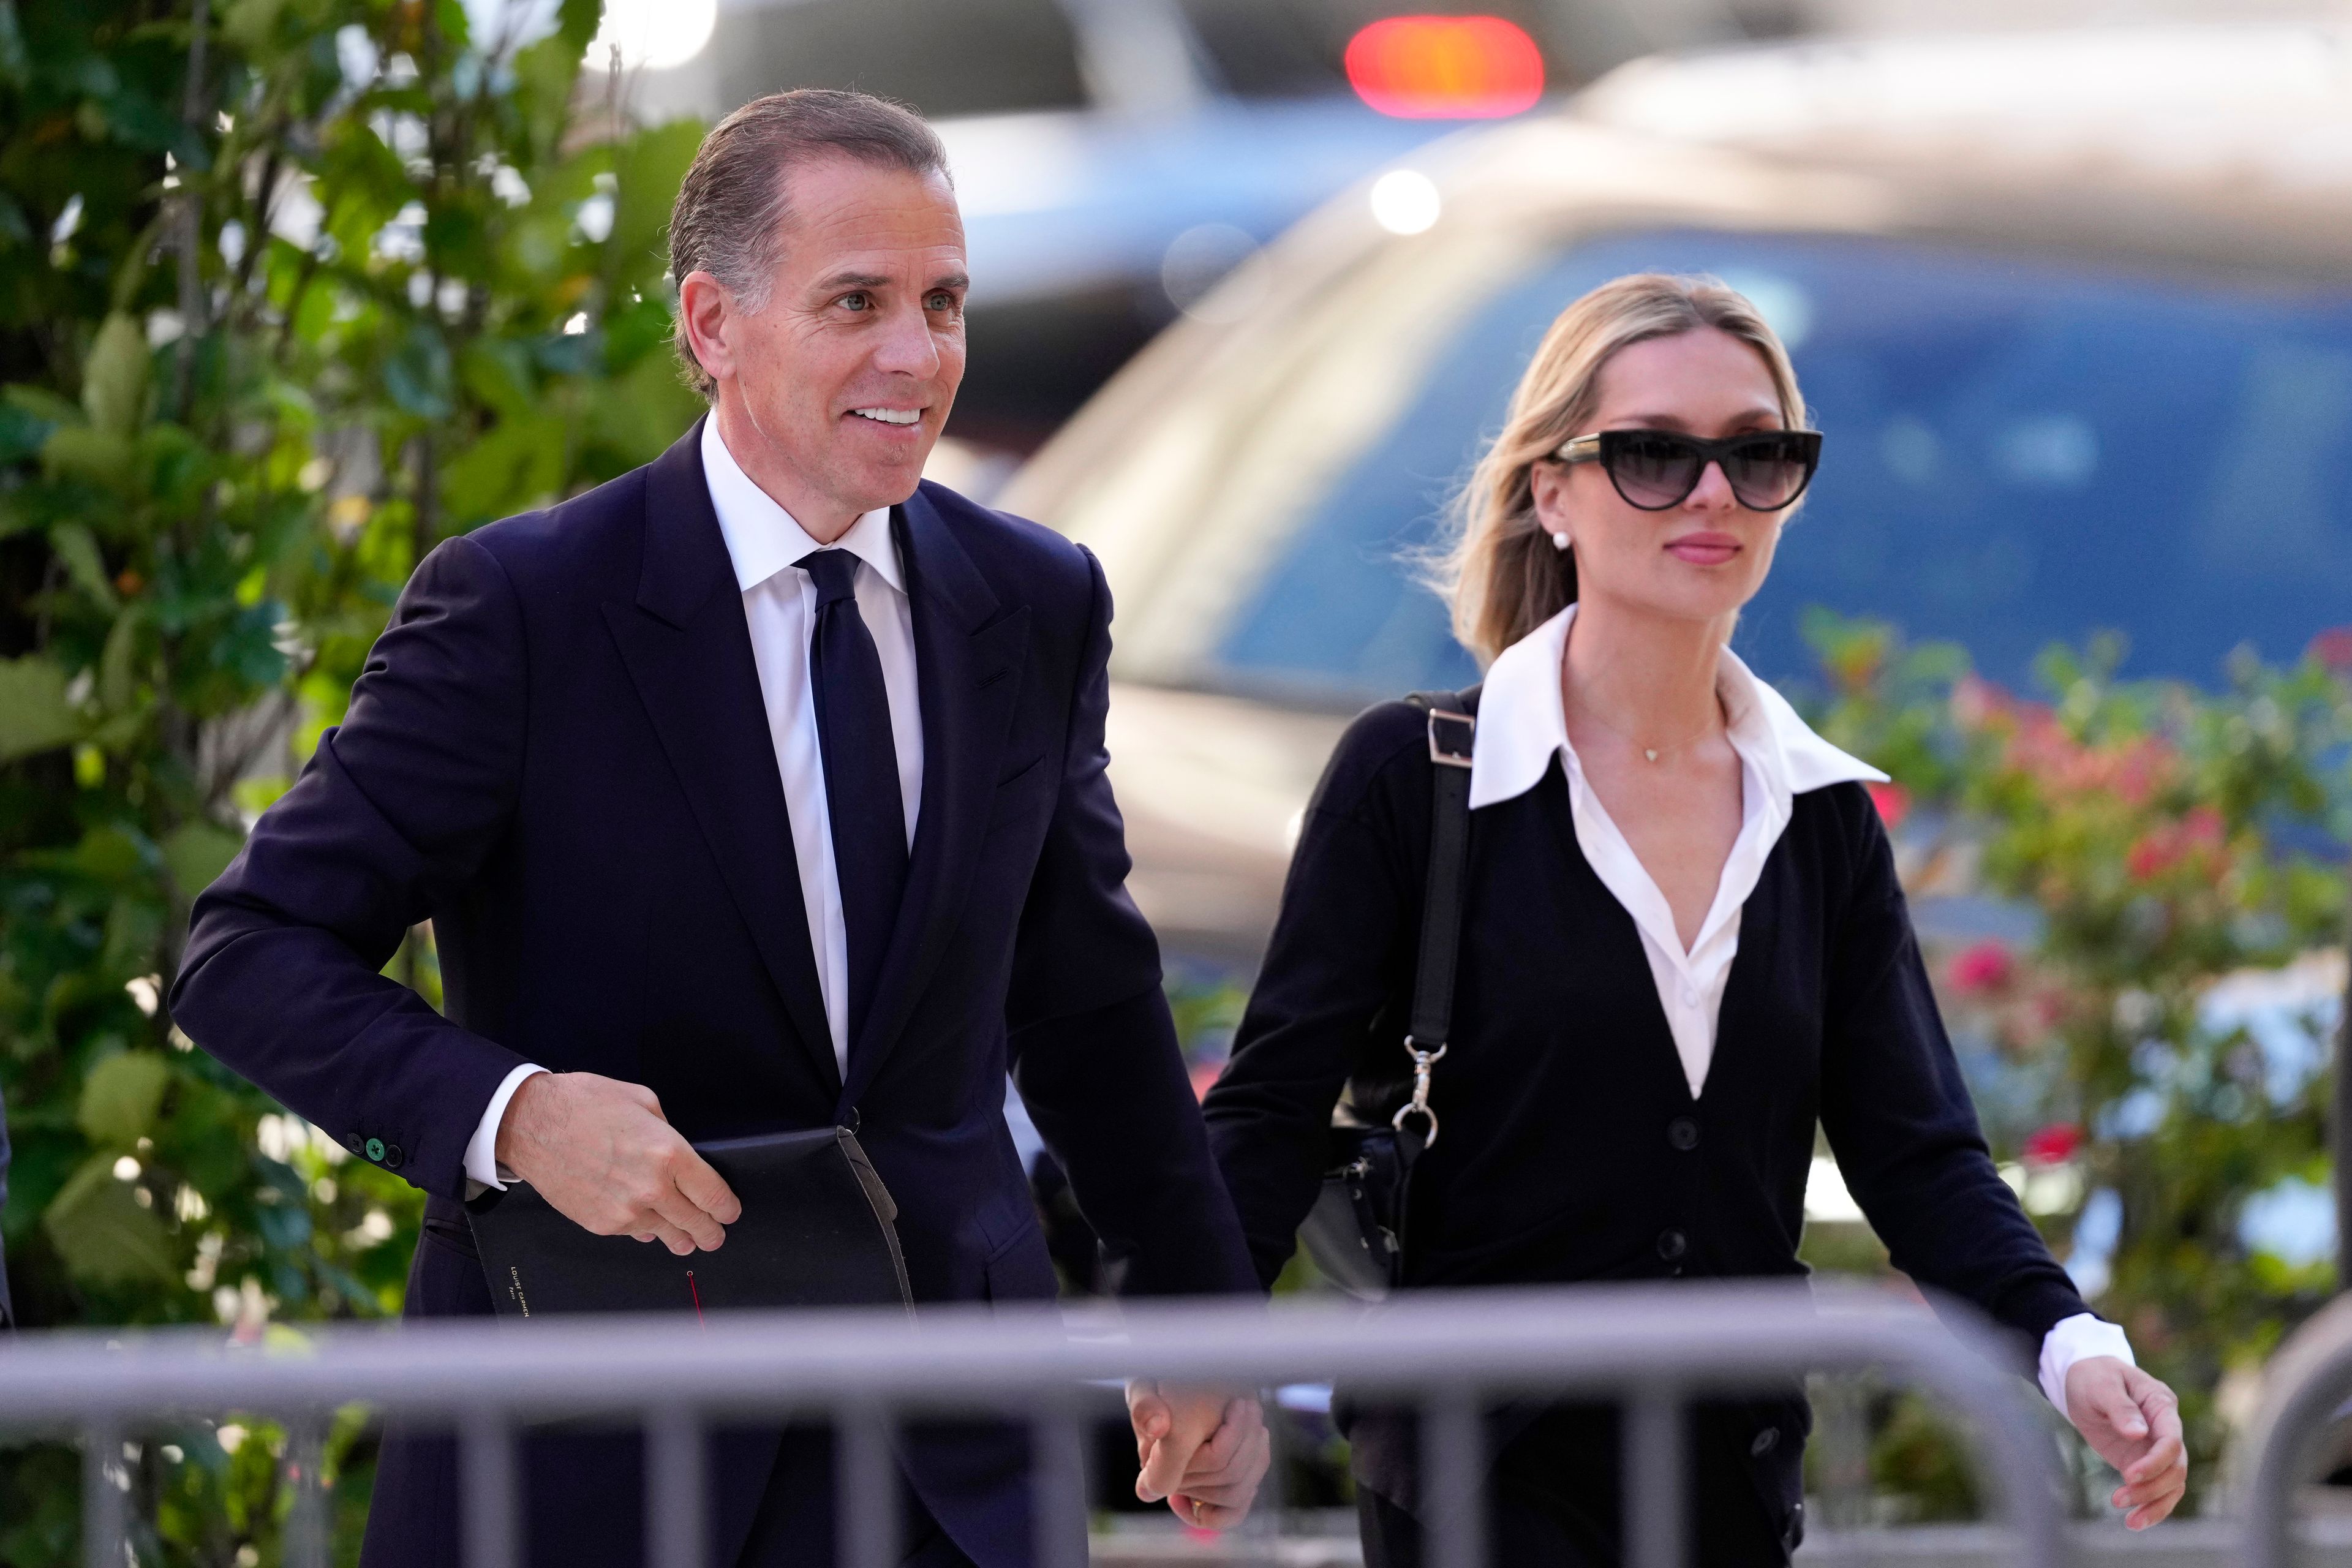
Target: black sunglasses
point(1654, 469)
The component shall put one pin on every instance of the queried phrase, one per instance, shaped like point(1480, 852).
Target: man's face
point(846, 375)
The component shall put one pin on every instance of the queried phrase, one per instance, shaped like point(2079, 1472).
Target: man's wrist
point(487, 1151)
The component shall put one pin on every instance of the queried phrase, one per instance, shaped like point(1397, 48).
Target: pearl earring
point(1560, 542)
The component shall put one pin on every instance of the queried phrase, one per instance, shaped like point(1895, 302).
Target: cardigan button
point(1683, 1133)
point(1672, 1243)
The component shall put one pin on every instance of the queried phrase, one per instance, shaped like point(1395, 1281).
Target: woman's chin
point(1701, 603)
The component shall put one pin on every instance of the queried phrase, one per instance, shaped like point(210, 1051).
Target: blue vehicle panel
point(2019, 452)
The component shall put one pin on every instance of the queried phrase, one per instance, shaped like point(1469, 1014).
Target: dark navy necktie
point(861, 772)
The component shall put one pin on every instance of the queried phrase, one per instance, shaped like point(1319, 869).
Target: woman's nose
point(1713, 492)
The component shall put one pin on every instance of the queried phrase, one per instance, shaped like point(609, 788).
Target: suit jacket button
point(1766, 1441)
point(1672, 1243)
point(1683, 1133)
point(375, 1149)
point(392, 1157)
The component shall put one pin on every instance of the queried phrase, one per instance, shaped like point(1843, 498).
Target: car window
point(2017, 452)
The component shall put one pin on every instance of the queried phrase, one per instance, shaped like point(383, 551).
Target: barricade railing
point(1651, 1350)
point(2307, 1389)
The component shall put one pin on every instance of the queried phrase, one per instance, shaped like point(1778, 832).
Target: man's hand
point(1202, 1450)
point(600, 1152)
point(2134, 1421)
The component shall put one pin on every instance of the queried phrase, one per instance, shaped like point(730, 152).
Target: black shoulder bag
point(1355, 1232)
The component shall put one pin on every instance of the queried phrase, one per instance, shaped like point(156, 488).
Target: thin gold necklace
point(1654, 752)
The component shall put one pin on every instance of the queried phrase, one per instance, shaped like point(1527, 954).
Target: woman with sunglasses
point(1682, 946)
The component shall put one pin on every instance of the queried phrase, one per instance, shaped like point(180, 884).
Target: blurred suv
point(2075, 310)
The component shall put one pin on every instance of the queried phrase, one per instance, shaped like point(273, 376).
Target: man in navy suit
point(762, 788)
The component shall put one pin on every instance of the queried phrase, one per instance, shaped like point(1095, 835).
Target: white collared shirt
point(1522, 726)
point(779, 606)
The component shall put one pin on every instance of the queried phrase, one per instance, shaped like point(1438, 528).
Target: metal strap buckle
point(1451, 748)
point(1421, 1062)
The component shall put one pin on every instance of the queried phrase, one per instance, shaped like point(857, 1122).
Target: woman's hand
point(2134, 1421)
point(1203, 1450)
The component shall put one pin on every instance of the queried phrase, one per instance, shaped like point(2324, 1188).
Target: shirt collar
point(1521, 727)
point(762, 537)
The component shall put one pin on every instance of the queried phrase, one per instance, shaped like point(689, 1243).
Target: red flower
point(1975, 701)
point(2151, 856)
point(1893, 803)
point(2054, 1144)
point(2333, 648)
point(2200, 832)
point(1987, 967)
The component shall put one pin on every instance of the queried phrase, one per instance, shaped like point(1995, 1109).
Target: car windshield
point(2017, 453)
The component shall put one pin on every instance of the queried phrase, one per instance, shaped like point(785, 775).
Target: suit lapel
point(688, 652)
point(968, 655)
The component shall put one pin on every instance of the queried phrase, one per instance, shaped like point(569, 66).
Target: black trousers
point(1553, 1501)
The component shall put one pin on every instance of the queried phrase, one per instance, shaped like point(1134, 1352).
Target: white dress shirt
point(779, 606)
point(1522, 726)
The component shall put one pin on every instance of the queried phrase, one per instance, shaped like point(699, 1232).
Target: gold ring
point(1196, 1510)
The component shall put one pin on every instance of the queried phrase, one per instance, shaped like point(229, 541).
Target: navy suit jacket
point(558, 754)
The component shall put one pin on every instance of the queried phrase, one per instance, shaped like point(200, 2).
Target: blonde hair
point(1501, 575)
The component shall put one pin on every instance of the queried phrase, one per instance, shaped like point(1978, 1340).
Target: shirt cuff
point(482, 1148)
point(2074, 1339)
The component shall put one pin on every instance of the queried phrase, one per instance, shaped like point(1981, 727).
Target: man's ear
point(705, 306)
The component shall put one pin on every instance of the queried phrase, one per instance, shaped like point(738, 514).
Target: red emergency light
point(1445, 68)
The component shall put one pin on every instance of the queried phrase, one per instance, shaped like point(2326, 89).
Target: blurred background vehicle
point(1115, 158)
point(2073, 307)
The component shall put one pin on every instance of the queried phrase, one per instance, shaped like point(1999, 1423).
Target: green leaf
point(650, 166)
point(15, 65)
point(250, 23)
point(197, 853)
point(497, 372)
point(86, 452)
point(78, 551)
point(23, 432)
point(576, 23)
point(114, 378)
point(519, 464)
point(417, 375)
point(117, 667)
point(102, 1234)
point(114, 857)
point(120, 1097)
point(34, 713)
point(42, 403)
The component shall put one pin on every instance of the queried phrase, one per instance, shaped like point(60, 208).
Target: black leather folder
point(817, 1230)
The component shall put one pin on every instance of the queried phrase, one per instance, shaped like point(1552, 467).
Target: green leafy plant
point(2163, 840)
point(289, 291)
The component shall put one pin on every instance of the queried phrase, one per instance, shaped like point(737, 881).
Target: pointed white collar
point(762, 537)
point(1521, 727)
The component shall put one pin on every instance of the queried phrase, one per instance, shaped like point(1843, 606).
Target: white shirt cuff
point(2074, 1339)
point(482, 1148)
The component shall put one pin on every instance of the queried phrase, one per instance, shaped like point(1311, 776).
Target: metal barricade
point(1653, 1349)
point(2308, 1386)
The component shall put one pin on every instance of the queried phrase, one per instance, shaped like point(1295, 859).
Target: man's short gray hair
point(729, 219)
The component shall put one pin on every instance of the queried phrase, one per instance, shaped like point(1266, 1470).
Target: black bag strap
point(1453, 731)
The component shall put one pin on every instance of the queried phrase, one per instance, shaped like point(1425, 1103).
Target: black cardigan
point(1571, 1146)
